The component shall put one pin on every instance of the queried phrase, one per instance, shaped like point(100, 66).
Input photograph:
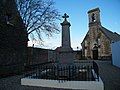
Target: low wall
point(87, 85)
point(116, 54)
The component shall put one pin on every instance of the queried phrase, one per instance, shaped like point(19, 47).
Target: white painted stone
point(87, 85)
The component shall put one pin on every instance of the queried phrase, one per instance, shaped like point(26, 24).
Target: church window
point(98, 41)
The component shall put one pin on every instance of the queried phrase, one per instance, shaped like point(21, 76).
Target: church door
point(95, 52)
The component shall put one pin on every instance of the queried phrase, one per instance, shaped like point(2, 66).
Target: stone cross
point(65, 16)
point(65, 55)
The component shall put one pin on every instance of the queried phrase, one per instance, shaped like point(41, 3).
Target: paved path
point(14, 83)
point(109, 74)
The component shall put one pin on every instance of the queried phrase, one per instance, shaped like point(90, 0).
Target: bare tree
point(39, 17)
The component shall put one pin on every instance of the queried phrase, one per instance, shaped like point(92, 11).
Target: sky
point(78, 18)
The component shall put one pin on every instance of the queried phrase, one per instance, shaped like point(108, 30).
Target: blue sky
point(78, 17)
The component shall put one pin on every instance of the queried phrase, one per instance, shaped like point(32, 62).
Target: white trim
point(89, 85)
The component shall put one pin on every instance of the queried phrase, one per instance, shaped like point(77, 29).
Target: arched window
point(93, 17)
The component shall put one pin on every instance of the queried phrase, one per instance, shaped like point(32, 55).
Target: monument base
point(65, 55)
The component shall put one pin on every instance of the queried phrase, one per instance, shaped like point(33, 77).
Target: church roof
point(113, 36)
point(96, 9)
point(85, 37)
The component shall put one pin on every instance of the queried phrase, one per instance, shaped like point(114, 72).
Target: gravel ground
point(109, 74)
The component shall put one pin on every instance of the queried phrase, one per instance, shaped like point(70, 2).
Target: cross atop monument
point(65, 16)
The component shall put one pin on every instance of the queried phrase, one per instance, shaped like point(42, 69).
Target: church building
point(98, 40)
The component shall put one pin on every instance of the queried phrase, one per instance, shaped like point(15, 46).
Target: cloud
point(54, 42)
point(48, 43)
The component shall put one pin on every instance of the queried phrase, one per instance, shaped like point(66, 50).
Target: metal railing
point(54, 71)
point(96, 70)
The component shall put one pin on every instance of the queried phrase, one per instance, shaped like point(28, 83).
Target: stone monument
point(65, 55)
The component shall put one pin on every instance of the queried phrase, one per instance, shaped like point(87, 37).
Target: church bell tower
point(94, 24)
point(94, 16)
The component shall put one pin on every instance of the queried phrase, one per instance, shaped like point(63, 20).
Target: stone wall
point(77, 55)
point(105, 47)
point(13, 39)
point(39, 55)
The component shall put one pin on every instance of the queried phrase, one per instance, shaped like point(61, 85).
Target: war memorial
point(65, 73)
